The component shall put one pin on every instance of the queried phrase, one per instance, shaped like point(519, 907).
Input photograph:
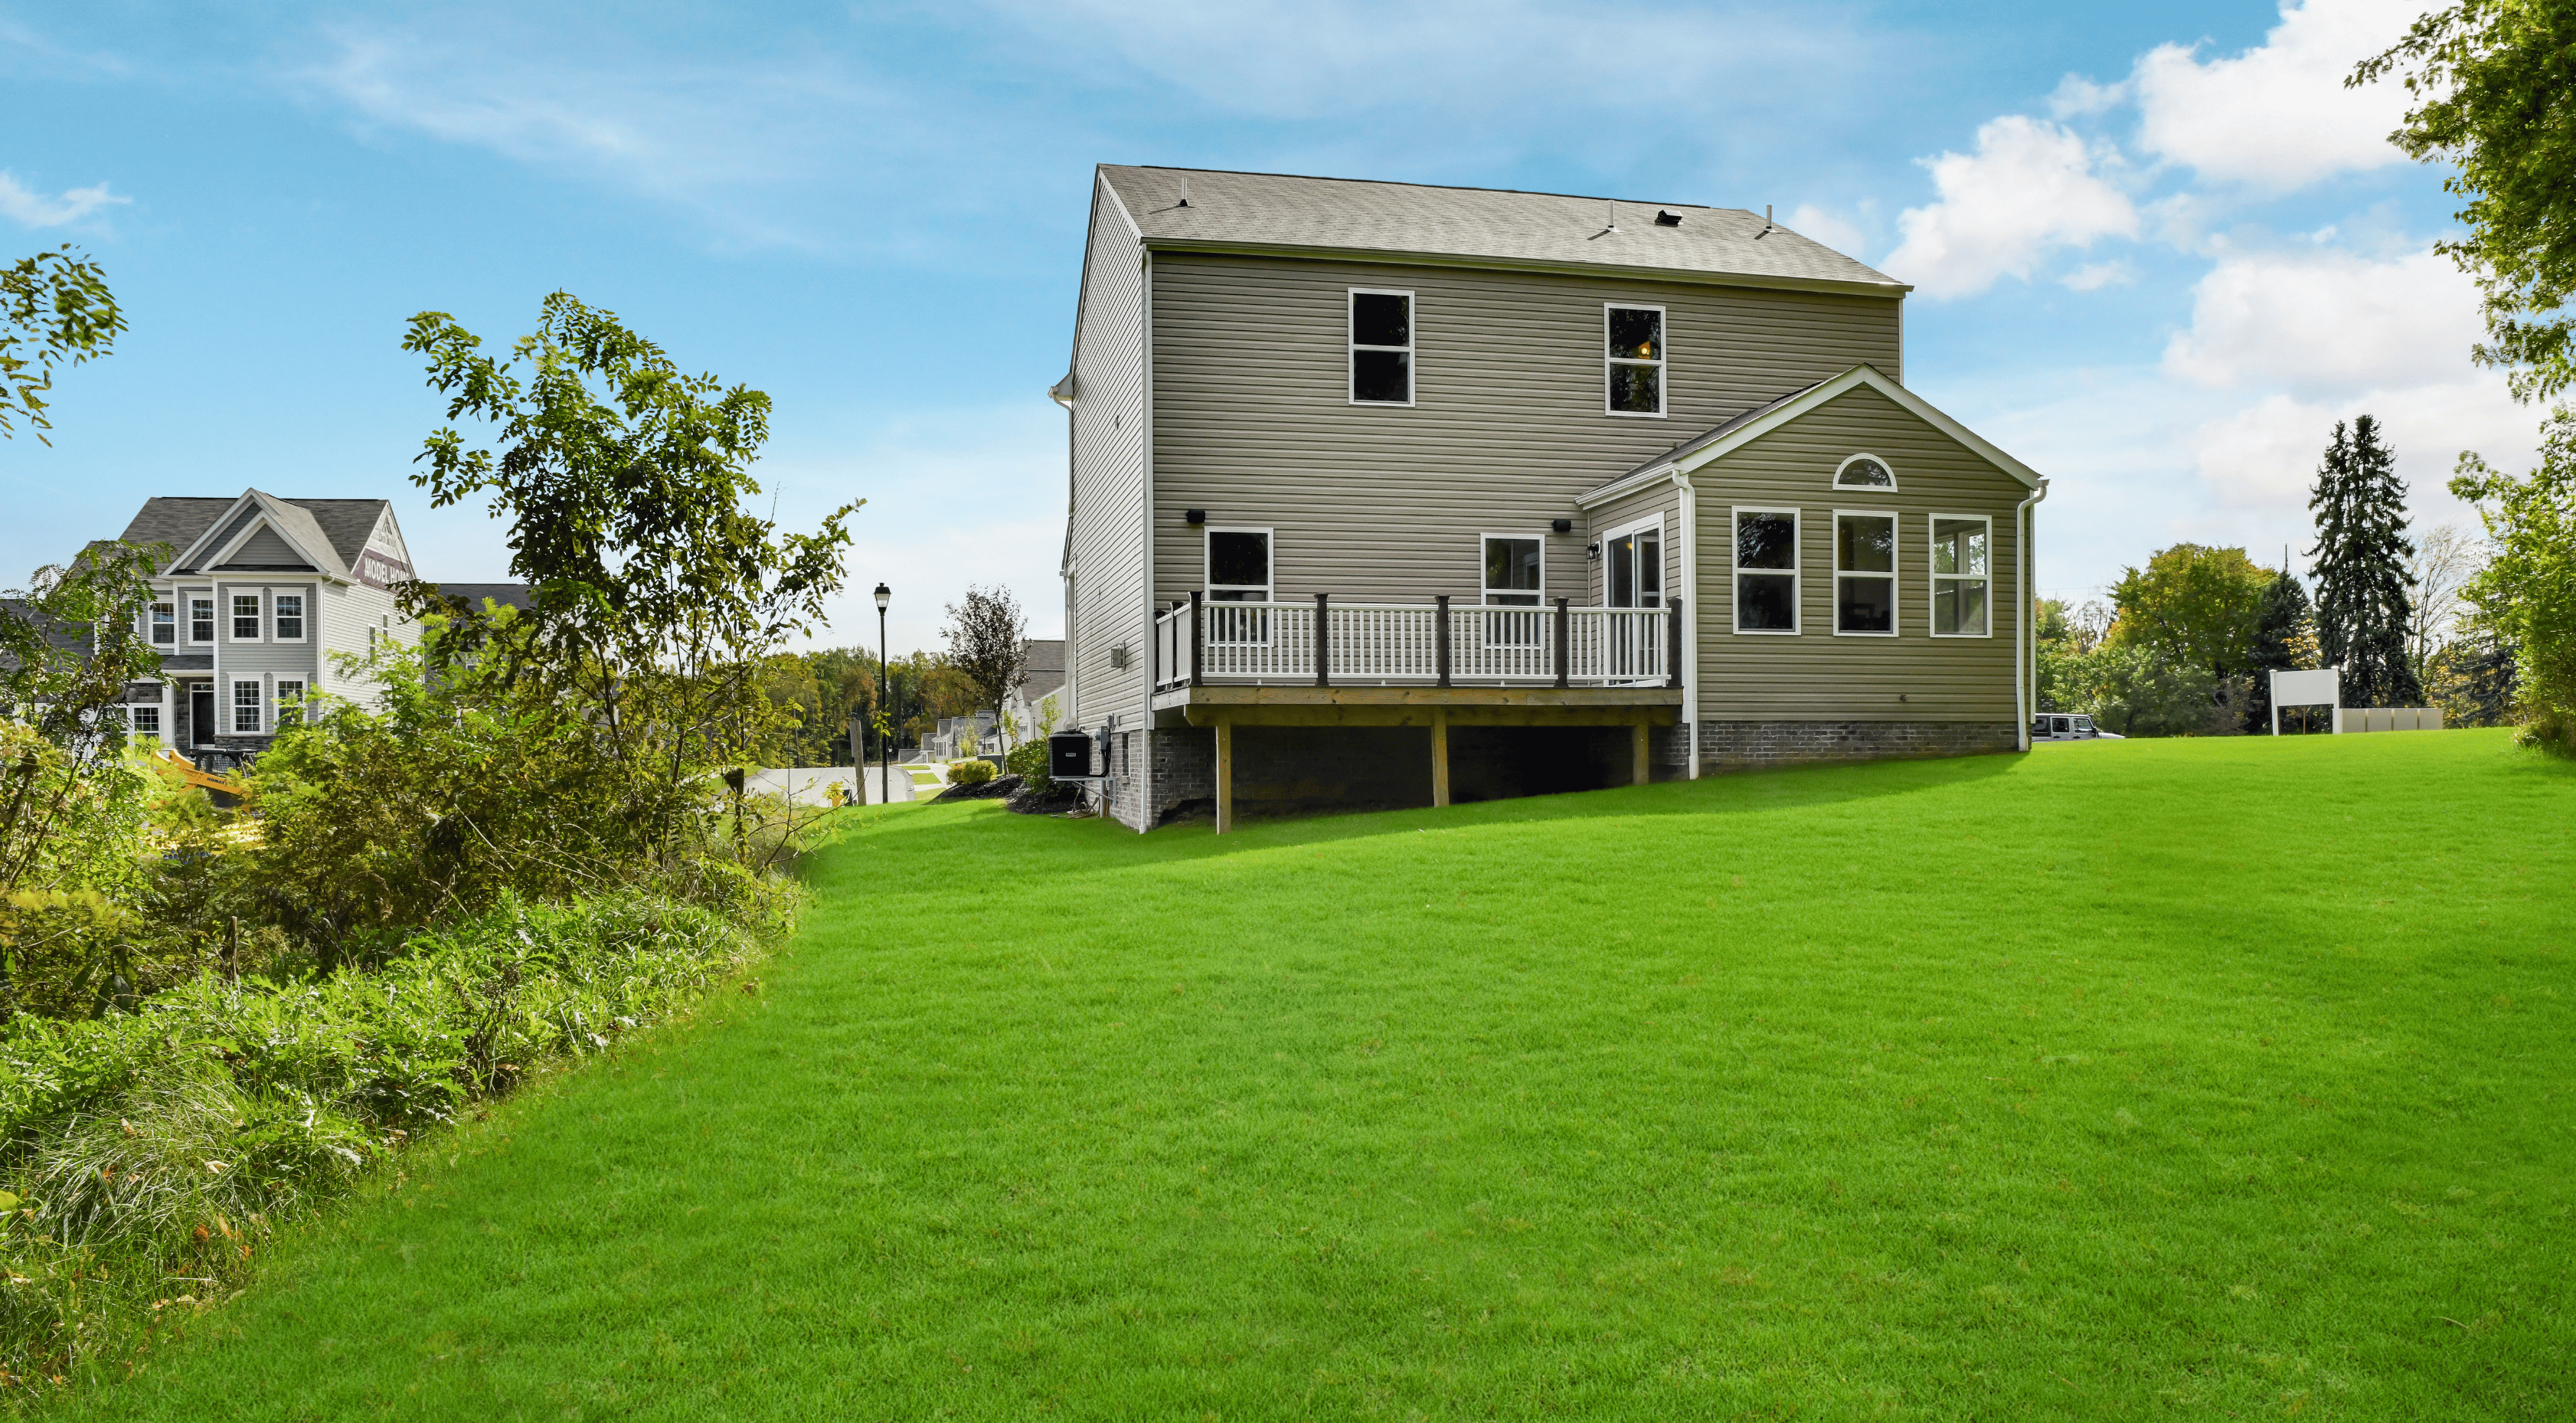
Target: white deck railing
point(1399, 644)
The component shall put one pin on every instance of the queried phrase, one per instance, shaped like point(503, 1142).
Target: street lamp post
point(885, 690)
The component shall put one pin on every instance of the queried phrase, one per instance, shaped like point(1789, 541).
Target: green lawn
point(2170, 1079)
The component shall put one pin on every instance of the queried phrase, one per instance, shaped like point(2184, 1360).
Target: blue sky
point(2158, 249)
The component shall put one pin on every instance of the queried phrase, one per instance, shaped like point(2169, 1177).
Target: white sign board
point(2306, 689)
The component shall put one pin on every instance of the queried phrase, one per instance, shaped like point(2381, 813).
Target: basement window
point(1766, 571)
point(1635, 359)
point(1865, 574)
point(1381, 347)
point(1962, 555)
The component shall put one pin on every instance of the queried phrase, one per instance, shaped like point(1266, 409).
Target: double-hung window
point(1238, 571)
point(290, 617)
point(1766, 570)
point(245, 617)
point(201, 620)
point(290, 697)
point(1635, 359)
point(1381, 347)
point(1515, 576)
point(246, 708)
point(165, 624)
point(1962, 559)
point(1865, 574)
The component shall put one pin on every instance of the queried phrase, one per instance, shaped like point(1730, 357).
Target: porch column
point(1224, 774)
point(1439, 755)
point(1644, 768)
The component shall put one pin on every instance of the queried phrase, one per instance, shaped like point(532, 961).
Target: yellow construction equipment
point(202, 780)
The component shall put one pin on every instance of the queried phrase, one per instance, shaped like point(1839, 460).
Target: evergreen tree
point(2279, 644)
point(2361, 552)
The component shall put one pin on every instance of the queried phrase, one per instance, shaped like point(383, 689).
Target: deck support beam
point(1439, 756)
point(1224, 774)
point(1645, 764)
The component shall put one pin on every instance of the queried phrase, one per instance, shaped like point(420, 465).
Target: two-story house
point(257, 596)
point(1386, 494)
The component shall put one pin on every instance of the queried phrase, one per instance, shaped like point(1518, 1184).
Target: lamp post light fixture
point(885, 690)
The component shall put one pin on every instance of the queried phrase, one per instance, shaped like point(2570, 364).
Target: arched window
point(1864, 472)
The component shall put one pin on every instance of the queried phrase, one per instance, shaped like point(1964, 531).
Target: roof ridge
point(1436, 187)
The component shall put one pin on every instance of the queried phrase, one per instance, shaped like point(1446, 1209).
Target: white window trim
point(1485, 594)
point(1932, 580)
point(277, 697)
point(1888, 488)
point(176, 609)
point(1207, 561)
point(1894, 576)
point(1352, 348)
point(304, 600)
point(1796, 572)
point(1612, 536)
point(231, 617)
point(1662, 362)
point(228, 711)
point(214, 618)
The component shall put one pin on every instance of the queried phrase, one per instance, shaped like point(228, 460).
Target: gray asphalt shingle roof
point(333, 526)
point(1280, 210)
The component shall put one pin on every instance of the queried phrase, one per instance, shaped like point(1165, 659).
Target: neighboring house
point(948, 742)
point(1389, 494)
point(1024, 713)
point(259, 594)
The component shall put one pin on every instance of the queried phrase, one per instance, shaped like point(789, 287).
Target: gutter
point(2021, 616)
point(1697, 276)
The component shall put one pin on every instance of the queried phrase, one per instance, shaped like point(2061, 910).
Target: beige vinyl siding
point(1253, 421)
point(1663, 498)
point(1816, 676)
point(1106, 547)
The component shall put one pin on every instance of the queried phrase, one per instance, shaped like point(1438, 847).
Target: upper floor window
point(1865, 574)
point(1381, 347)
point(1766, 570)
point(165, 625)
point(245, 617)
point(201, 620)
point(1636, 359)
point(290, 617)
point(1961, 559)
point(1864, 472)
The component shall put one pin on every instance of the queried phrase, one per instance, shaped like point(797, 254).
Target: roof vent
point(1185, 192)
point(1667, 219)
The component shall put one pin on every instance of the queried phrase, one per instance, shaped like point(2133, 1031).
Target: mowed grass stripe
point(2155, 1078)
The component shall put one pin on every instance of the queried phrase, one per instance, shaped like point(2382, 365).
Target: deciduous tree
point(2194, 604)
point(55, 310)
point(988, 644)
point(2284, 641)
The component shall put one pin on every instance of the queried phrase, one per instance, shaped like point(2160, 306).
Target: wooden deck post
point(1564, 635)
point(1323, 641)
point(1440, 637)
point(1224, 774)
point(1439, 755)
point(1645, 767)
point(1673, 643)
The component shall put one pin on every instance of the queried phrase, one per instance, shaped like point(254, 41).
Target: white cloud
point(2078, 96)
point(2278, 116)
point(2093, 276)
point(2030, 187)
point(2264, 457)
point(2318, 322)
point(1814, 222)
point(29, 208)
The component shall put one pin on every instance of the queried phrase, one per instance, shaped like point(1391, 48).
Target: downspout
point(1690, 621)
point(2022, 519)
point(1145, 644)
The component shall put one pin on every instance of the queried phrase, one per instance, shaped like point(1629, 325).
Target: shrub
point(1028, 761)
point(150, 1154)
point(970, 773)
